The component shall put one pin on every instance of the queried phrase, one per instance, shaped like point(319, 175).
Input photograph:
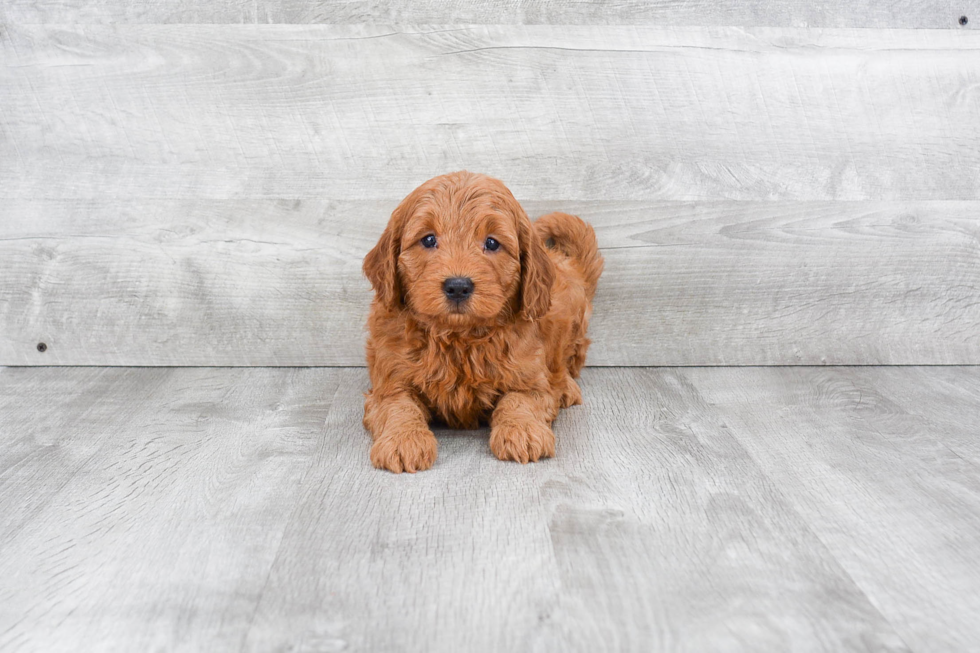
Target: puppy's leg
point(403, 441)
point(571, 394)
point(577, 360)
point(520, 427)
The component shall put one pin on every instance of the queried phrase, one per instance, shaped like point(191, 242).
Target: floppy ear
point(381, 263)
point(537, 271)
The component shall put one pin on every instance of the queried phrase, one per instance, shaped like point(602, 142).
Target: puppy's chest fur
point(461, 379)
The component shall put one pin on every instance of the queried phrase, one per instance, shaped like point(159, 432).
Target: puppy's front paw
point(523, 443)
point(405, 450)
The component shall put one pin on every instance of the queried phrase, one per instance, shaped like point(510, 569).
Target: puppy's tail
point(576, 239)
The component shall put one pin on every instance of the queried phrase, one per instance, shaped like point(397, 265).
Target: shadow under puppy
point(478, 316)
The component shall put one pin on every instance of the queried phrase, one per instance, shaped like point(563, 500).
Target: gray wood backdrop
point(176, 189)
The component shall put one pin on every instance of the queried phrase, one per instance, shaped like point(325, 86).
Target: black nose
point(458, 288)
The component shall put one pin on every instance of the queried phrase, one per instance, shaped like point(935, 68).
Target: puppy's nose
point(458, 288)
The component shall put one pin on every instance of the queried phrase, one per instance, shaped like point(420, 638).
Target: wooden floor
point(699, 509)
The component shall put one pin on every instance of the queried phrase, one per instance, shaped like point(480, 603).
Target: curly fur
point(509, 356)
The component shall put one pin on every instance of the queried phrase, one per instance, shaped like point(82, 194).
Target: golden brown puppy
point(479, 315)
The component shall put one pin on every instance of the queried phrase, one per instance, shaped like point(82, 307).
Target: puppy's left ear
point(537, 271)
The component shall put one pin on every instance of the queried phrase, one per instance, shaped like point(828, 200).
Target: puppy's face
point(460, 258)
point(460, 251)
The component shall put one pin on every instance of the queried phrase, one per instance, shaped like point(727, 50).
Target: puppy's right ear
point(381, 263)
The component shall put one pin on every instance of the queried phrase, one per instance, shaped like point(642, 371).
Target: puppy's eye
point(491, 245)
point(429, 241)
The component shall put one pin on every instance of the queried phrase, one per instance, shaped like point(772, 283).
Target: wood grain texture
point(794, 13)
point(714, 509)
point(636, 525)
point(867, 458)
point(952, 409)
point(163, 501)
point(673, 512)
point(42, 449)
point(563, 112)
point(278, 282)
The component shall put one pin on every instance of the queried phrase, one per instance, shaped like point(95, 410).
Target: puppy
point(478, 316)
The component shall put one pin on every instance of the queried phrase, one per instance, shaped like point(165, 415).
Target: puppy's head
point(460, 251)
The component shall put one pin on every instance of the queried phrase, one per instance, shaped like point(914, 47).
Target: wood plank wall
point(797, 184)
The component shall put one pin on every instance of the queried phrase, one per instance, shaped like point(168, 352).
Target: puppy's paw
point(405, 450)
point(522, 443)
point(571, 394)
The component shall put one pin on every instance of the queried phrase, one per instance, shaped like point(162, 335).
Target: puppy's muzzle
point(458, 289)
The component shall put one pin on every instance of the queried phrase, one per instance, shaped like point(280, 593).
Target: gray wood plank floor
point(756, 509)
